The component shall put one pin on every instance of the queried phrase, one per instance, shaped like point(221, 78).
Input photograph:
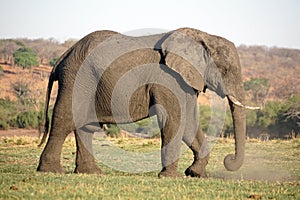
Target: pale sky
point(250, 22)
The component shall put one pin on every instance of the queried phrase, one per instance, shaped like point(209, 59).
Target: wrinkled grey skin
point(188, 59)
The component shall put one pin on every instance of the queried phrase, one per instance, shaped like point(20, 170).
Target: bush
point(8, 112)
point(276, 118)
point(1, 68)
point(53, 62)
point(113, 130)
point(4, 125)
point(205, 116)
point(29, 119)
point(25, 58)
point(259, 88)
point(147, 127)
point(21, 89)
point(11, 117)
point(211, 120)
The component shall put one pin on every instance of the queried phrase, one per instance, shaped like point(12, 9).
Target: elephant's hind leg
point(200, 150)
point(85, 162)
point(62, 125)
point(50, 158)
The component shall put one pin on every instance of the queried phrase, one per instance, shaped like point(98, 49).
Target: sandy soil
point(35, 79)
point(19, 132)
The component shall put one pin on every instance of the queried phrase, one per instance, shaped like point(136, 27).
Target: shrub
point(205, 116)
point(25, 58)
point(3, 125)
point(8, 112)
point(29, 119)
point(53, 62)
point(212, 119)
point(21, 89)
point(259, 87)
point(1, 68)
point(113, 130)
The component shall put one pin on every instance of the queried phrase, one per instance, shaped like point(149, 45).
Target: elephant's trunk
point(233, 162)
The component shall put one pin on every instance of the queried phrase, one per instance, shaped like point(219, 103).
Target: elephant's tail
point(44, 126)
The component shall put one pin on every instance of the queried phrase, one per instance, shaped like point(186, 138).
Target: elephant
point(160, 75)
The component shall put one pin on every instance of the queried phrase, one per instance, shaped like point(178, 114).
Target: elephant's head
point(207, 61)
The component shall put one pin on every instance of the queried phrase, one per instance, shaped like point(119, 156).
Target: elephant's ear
point(187, 57)
point(188, 72)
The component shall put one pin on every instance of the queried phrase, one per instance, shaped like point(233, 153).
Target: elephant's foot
point(172, 174)
point(50, 167)
point(88, 169)
point(195, 172)
point(197, 169)
point(170, 171)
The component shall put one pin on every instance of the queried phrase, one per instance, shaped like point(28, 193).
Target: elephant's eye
point(225, 71)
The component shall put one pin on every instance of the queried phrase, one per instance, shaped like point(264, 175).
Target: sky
point(249, 22)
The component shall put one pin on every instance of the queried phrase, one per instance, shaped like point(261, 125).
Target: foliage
point(259, 87)
point(147, 127)
point(276, 118)
point(29, 119)
point(19, 43)
point(25, 58)
point(8, 113)
point(23, 92)
point(213, 120)
point(7, 48)
point(289, 118)
point(19, 179)
point(280, 66)
point(1, 68)
point(21, 89)
point(113, 130)
point(15, 115)
point(205, 116)
point(53, 61)
point(46, 49)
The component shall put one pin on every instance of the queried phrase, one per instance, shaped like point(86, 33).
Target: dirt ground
point(19, 132)
point(35, 79)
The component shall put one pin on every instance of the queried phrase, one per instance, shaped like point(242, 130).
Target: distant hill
point(280, 66)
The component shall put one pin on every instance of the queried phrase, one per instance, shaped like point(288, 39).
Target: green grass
point(271, 171)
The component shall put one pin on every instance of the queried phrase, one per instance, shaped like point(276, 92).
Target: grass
point(271, 171)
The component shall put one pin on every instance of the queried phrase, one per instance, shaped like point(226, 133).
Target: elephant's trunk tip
point(233, 163)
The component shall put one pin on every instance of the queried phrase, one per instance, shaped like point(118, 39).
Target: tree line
point(44, 49)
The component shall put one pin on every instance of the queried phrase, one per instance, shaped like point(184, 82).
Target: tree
point(53, 62)
point(269, 115)
point(259, 87)
point(25, 58)
point(289, 118)
point(7, 48)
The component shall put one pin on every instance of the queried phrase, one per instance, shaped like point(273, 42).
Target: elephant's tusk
point(238, 103)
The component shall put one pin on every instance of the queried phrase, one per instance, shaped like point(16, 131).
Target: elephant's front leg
point(170, 149)
point(85, 162)
point(171, 137)
point(200, 149)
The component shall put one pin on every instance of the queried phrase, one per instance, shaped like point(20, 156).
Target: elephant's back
point(70, 62)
